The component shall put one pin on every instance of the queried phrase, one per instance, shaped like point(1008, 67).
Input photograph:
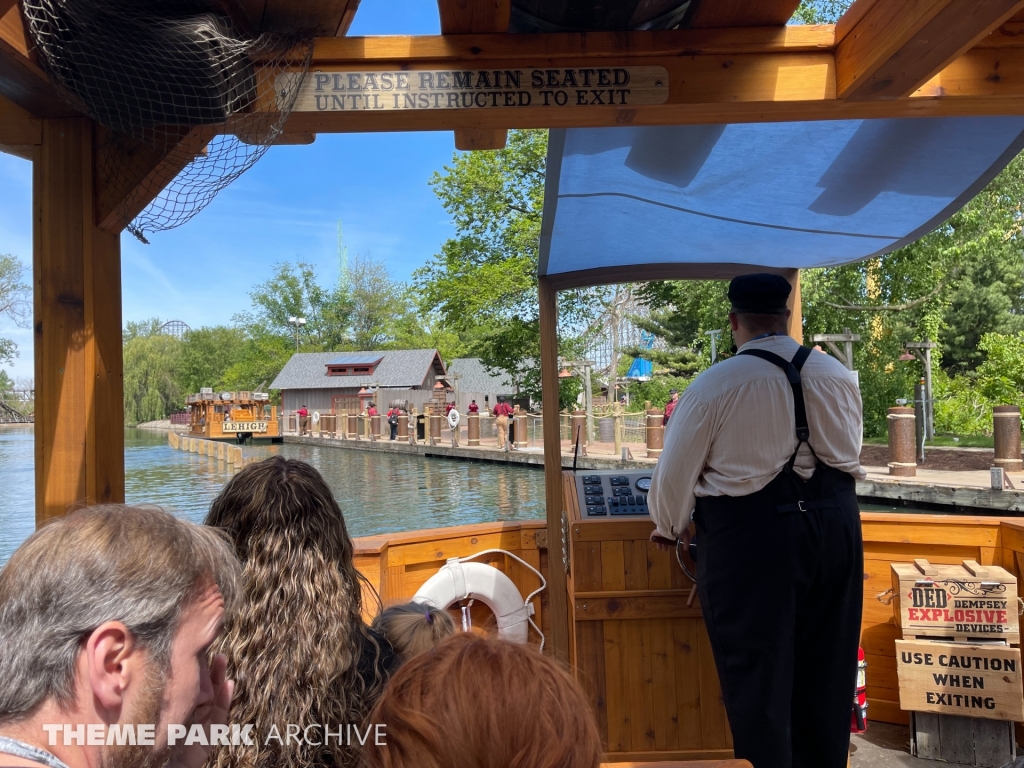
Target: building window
point(335, 370)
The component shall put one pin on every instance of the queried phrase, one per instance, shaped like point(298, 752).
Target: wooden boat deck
point(641, 654)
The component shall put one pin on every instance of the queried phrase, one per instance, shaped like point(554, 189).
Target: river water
point(378, 492)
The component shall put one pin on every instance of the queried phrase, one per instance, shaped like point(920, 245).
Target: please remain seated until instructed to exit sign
point(474, 89)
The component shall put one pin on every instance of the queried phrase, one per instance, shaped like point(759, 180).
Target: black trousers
point(394, 430)
point(781, 593)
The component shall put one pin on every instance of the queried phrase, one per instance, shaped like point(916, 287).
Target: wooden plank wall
point(642, 655)
point(398, 565)
point(640, 652)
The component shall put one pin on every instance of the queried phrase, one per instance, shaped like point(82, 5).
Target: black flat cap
point(762, 293)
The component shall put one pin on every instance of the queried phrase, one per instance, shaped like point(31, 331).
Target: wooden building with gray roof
point(332, 381)
point(473, 381)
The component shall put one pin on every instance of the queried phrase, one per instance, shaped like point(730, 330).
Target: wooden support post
point(796, 319)
point(79, 431)
point(557, 587)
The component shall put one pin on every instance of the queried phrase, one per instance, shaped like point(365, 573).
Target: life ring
point(453, 418)
point(461, 581)
point(316, 417)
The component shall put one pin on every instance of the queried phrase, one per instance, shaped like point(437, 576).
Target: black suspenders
point(792, 371)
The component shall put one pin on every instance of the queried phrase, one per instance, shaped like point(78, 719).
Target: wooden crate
point(972, 681)
point(962, 740)
point(966, 602)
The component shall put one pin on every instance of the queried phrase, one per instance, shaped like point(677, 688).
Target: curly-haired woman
point(299, 652)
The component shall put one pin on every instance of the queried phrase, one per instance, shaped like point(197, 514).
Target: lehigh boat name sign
point(559, 87)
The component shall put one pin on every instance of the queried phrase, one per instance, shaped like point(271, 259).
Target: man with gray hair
point(106, 620)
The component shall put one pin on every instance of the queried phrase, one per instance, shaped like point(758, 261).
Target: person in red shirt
point(473, 407)
point(448, 408)
point(303, 420)
point(502, 411)
point(673, 398)
point(372, 410)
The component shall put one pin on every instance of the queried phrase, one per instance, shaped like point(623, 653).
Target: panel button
point(621, 491)
point(618, 480)
point(595, 510)
point(625, 509)
point(592, 480)
point(595, 499)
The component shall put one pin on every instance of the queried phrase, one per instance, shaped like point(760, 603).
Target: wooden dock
point(931, 490)
point(223, 451)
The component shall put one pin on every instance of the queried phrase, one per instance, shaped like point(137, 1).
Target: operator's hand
point(665, 545)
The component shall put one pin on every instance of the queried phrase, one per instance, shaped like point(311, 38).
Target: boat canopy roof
point(706, 201)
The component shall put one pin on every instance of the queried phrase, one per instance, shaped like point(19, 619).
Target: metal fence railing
point(633, 428)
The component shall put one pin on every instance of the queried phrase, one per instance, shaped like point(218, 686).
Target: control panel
point(609, 493)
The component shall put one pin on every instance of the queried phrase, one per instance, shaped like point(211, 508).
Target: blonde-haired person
point(301, 654)
point(413, 628)
point(475, 701)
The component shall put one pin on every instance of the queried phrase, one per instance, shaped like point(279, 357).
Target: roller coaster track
point(9, 415)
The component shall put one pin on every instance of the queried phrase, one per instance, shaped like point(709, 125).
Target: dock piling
point(902, 427)
point(473, 429)
point(655, 433)
point(1006, 435)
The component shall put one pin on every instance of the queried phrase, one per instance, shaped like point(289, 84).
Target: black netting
point(187, 100)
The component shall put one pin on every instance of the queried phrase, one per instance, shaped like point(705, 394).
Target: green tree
point(206, 356)
point(377, 303)
point(675, 329)
point(820, 11)
point(261, 358)
point(483, 283)
point(293, 291)
point(151, 360)
point(425, 330)
point(15, 302)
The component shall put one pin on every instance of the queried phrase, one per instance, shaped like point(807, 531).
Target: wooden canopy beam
point(19, 131)
point(712, 76)
point(22, 80)
point(889, 49)
point(462, 17)
point(140, 174)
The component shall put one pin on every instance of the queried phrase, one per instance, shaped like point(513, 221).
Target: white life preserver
point(316, 417)
point(453, 418)
point(462, 581)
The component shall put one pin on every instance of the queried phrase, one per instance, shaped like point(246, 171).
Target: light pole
point(714, 343)
point(298, 322)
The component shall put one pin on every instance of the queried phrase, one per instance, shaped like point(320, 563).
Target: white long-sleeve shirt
point(733, 430)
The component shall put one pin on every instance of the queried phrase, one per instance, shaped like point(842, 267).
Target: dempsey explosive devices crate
point(959, 676)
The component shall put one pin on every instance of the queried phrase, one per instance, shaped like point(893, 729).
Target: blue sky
point(285, 208)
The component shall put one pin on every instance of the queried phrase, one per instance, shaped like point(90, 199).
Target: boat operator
point(766, 447)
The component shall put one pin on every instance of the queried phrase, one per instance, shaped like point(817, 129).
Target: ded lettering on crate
point(962, 602)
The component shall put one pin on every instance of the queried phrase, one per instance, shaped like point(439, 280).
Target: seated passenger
point(106, 621)
point(301, 653)
point(473, 701)
point(413, 628)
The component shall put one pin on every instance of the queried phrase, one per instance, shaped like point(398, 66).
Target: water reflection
point(379, 493)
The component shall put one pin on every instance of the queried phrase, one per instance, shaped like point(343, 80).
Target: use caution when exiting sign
point(959, 679)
